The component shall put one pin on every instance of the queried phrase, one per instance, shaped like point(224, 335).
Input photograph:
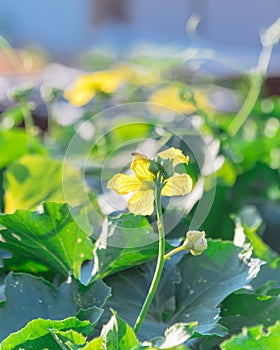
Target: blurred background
point(66, 28)
point(193, 56)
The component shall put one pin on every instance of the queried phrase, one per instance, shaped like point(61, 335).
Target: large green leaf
point(246, 309)
point(267, 274)
point(129, 290)
point(125, 241)
point(189, 291)
point(255, 338)
point(34, 179)
point(29, 297)
point(206, 281)
point(239, 310)
point(50, 238)
point(37, 334)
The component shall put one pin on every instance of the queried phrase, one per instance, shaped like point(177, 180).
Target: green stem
point(174, 251)
point(159, 266)
point(248, 105)
point(256, 82)
point(29, 125)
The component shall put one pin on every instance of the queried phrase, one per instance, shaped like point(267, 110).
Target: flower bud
point(195, 242)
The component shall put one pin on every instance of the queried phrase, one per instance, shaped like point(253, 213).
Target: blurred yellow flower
point(87, 85)
point(138, 75)
point(170, 97)
point(143, 184)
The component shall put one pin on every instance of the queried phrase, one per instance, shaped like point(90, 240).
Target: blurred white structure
point(67, 26)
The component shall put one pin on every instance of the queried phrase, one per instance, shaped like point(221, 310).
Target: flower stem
point(159, 266)
point(29, 124)
point(174, 251)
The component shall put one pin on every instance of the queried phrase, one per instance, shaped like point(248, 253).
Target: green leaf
point(11, 117)
point(125, 241)
point(239, 310)
point(267, 274)
point(13, 145)
point(206, 281)
point(118, 335)
point(95, 344)
point(34, 179)
point(1, 192)
point(29, 297)
point(129, 290)
point(189, 291)
point(225, 176)
point(68, 339)
point(175, 335)
point(255, 338)
point(250, 220)
point(50, 238)
point(37, 334)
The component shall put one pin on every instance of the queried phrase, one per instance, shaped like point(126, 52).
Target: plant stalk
point(257, 78)
point(29, 124)
point(159, 266)
point(174, 251)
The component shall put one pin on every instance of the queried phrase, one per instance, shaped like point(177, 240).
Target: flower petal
point(142, 202)
point(123, 184)
point(140, 166)
point(79, 96)
point(175, 154)
point(108, 81)
point(177, 185)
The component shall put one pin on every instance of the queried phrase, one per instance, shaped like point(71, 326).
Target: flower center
point(147, 185)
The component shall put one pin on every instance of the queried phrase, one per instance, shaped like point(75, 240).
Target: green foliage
point(126, 241)
point(34, 179)
point(14, 144)
point(28, 298)
point(117, 334)
point(190, 290)
point(174, 336)
point(49, 240)
point(255, 338)
point(75, 278)
point(41, 334)
point(239, 310)
point(250, 220)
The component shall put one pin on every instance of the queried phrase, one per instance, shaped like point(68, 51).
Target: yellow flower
point(138, 75)
point(170, 97)
point(87, 85)
point(143, 184)
point(175, 154)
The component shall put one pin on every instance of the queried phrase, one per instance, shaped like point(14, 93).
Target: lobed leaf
point(49, 240)
point(189, 291)
point(239, 310)
point(255, 338)
point(34, 179)
point(38, 334)
point(29, 297)
point(125, 241)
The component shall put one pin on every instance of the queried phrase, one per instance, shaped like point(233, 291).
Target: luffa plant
point(152, 179)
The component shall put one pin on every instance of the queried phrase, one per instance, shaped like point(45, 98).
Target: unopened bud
point(195, 242)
